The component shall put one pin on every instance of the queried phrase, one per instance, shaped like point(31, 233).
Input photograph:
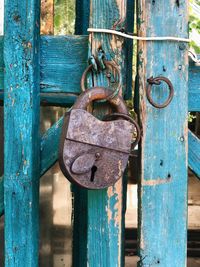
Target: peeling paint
point(156, 182)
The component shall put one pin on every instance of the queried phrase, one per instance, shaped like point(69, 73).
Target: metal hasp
point(94, 153)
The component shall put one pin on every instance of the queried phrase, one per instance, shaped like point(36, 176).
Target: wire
point(122, 34)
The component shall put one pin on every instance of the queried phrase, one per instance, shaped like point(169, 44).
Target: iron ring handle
point(107, 64)
point(157, 81)
point(128, 118)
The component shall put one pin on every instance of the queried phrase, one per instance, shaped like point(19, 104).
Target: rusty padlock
point(93, 153)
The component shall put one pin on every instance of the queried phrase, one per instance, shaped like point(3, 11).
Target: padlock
point(93, 153)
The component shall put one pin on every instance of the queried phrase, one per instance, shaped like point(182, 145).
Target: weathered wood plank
point(105, 207)
point(1, 196)
point(163, 184)
point(129, 27)
point(194, 88)
point(21, 117)
point(63, 60)
point(194, 153)
point(80, 222)
point(82, 16)
point(54, 80)
point(49, 146)
point(48, 153)
point(1, 64)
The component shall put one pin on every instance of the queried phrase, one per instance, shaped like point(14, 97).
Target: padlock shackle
point(100, 93)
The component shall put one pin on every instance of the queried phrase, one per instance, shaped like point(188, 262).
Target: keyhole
point(93, 171)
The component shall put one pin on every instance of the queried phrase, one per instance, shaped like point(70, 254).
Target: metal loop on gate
point(115, 115)
point(157, 81)
point(107, 64)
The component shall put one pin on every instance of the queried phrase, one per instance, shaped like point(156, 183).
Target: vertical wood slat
point(129, 49)
point(163, 185)
point(21, 115)
point(82, 16)
point(105, 207)
point(80, 222)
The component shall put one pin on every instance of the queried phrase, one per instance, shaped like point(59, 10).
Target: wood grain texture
point(62, 62)
point(194, 153)
point(21, 117)
point(129, 27)
point(105, 207)
point(80, 220)
point(49, 146)
point(1, 197)
point(1, 64)
point(48, 154)
point(55, 79)
point(194, 88)
point(82, 16)
point(163, 184)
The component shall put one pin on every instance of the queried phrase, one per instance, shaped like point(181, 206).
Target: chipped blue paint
point(194, 88)
point(21, 120)
point(194, 153)
point(62, 62)
point(105, 207)
point(48, 153)
point(163, 184)
point(1, 64)
point(1, 197)
point(59, 61)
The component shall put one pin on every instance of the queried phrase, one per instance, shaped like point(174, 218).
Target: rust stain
point(156, 182)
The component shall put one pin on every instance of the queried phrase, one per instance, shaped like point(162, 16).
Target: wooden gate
point(48, 69)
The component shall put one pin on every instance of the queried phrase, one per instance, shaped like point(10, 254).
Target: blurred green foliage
point(64, 17)
point(194, 22)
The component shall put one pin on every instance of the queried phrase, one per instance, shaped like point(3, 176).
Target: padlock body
point(94, 153)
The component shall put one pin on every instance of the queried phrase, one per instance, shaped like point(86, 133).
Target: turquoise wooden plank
point(194, 87)
point(1, 196)
point(163, 184)
point(82, 16)
point(129, 49)
point(194, 153)
point(48, 153)
point(1, 63)
point(52, 99)
point(57, 99)
point(105, 207)
point(80, 222)
point(49, 146)
point(21, 118)
point(53, 56)
point(63, 60)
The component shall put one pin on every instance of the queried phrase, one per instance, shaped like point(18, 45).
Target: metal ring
point(112, 116)
point(107, 64)
point(156, 81)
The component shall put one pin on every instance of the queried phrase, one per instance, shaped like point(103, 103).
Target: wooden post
point(22, 105)
point(105, 207)
point(163, 185)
